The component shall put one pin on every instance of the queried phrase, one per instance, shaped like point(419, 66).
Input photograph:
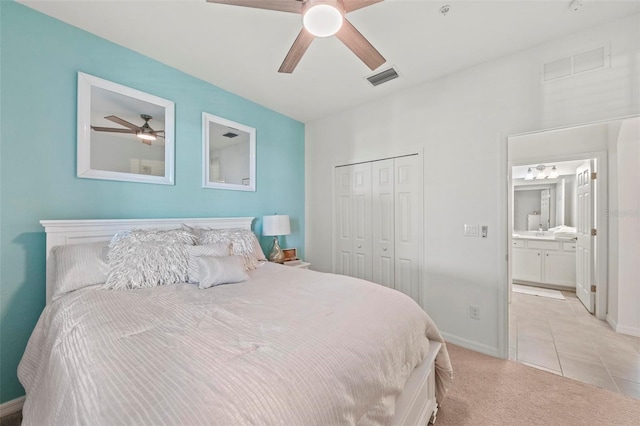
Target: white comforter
point(288, 346)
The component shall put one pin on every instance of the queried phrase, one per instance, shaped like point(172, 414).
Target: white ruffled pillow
point(194, 252)
point(221, 270)
point(79, 265)
point(143, 258)
point(244, 243)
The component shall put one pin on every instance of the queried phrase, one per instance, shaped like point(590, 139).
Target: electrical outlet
point(474, 312)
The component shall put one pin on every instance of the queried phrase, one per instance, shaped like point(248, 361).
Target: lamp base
point(276, 255)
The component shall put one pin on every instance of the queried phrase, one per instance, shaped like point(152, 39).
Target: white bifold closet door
point(378, 222)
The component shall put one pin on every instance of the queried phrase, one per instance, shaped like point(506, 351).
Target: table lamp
point(273, 226)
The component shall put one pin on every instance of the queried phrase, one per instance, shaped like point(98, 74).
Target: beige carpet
point(492, 391)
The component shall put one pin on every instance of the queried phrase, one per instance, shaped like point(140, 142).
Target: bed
point(287, 346)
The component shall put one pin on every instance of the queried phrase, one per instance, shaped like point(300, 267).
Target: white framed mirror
point(229, 154)
point(124, 134)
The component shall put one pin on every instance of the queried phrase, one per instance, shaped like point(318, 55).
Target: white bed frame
point(416, 404)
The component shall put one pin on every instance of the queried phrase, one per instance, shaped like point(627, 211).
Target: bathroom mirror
point(123, 134)
point(229, 154)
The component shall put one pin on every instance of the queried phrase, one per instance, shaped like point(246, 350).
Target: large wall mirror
point(229, 154)
point(124, 134)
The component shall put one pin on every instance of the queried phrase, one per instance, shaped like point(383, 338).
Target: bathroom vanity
point(541, 258)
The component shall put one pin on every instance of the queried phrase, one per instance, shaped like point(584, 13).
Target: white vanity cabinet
point(544, 261)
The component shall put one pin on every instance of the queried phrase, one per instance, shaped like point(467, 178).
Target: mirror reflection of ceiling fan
point(144, 132)
point(320, 18)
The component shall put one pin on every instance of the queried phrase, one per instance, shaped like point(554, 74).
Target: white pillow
point(244, 243)
point(143, 258)
point(221, 270)
point(79, 265)
point(217, 250)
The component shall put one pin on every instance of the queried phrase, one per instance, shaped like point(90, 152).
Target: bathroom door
point(585, 244)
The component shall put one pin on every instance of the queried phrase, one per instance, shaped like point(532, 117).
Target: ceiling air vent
point(580, 63)
point(383, 77)
point(230, 135)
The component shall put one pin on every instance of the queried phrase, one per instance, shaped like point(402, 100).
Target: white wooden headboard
point(61, 232)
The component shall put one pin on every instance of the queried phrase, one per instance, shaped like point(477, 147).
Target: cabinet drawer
point(569, 246)
point(518, 244)
point(543, 245)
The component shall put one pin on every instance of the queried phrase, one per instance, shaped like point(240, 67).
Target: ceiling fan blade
point(298, 48)
point(122, 122)
point(112, 130)
point(359, 45)
point(351, 5)
point(292, 6)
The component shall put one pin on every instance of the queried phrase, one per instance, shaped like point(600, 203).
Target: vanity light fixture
point(529, 175)
point(541, 173)
point(323, 18)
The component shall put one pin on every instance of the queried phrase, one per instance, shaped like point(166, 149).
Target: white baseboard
point(12, 406)
point(623, 329)
point(470, 344)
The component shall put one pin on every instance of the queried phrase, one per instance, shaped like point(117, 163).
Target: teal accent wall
point(40, 58)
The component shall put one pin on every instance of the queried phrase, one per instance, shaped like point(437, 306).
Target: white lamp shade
point(275, 225)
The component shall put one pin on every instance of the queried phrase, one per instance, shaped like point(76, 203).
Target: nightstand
point(297, 264)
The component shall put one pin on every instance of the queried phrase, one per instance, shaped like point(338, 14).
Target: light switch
point(470, 230)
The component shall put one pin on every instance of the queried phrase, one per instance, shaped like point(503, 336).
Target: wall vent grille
point(574, 65)
point(383, 77)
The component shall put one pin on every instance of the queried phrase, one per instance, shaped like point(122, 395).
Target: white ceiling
point(240, 49)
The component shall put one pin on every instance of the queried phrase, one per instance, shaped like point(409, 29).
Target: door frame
point(602, 200)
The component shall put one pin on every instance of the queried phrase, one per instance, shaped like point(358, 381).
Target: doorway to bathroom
point(553, 219)
point(551, 224)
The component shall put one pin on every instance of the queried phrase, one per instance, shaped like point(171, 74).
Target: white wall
point(114, 153)
point(462, 122)
point(235, 162)
point(525, 202)
point(624, 216)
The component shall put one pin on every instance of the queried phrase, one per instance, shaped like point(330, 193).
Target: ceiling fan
point(144, 132)
point(320, 18)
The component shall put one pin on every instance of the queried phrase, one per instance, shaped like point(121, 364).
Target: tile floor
point(561, 337)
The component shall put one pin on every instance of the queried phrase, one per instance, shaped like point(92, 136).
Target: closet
point(378, 222)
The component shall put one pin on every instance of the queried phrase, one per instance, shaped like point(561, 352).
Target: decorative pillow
point(79, 265)
point(221, 270)
point(256, 248)
point(244, 243)
point(217, 250)
point(143, 258)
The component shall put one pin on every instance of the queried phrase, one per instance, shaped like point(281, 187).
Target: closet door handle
point(359, 246)
point(384, 249)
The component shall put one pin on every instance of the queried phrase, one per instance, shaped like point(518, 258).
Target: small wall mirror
point(229, 154)
point(124, 134)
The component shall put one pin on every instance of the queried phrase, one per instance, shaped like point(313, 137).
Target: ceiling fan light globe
point(146, 136)
point(322, 20)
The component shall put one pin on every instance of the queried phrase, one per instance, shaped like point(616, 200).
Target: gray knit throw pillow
point(143, 258)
